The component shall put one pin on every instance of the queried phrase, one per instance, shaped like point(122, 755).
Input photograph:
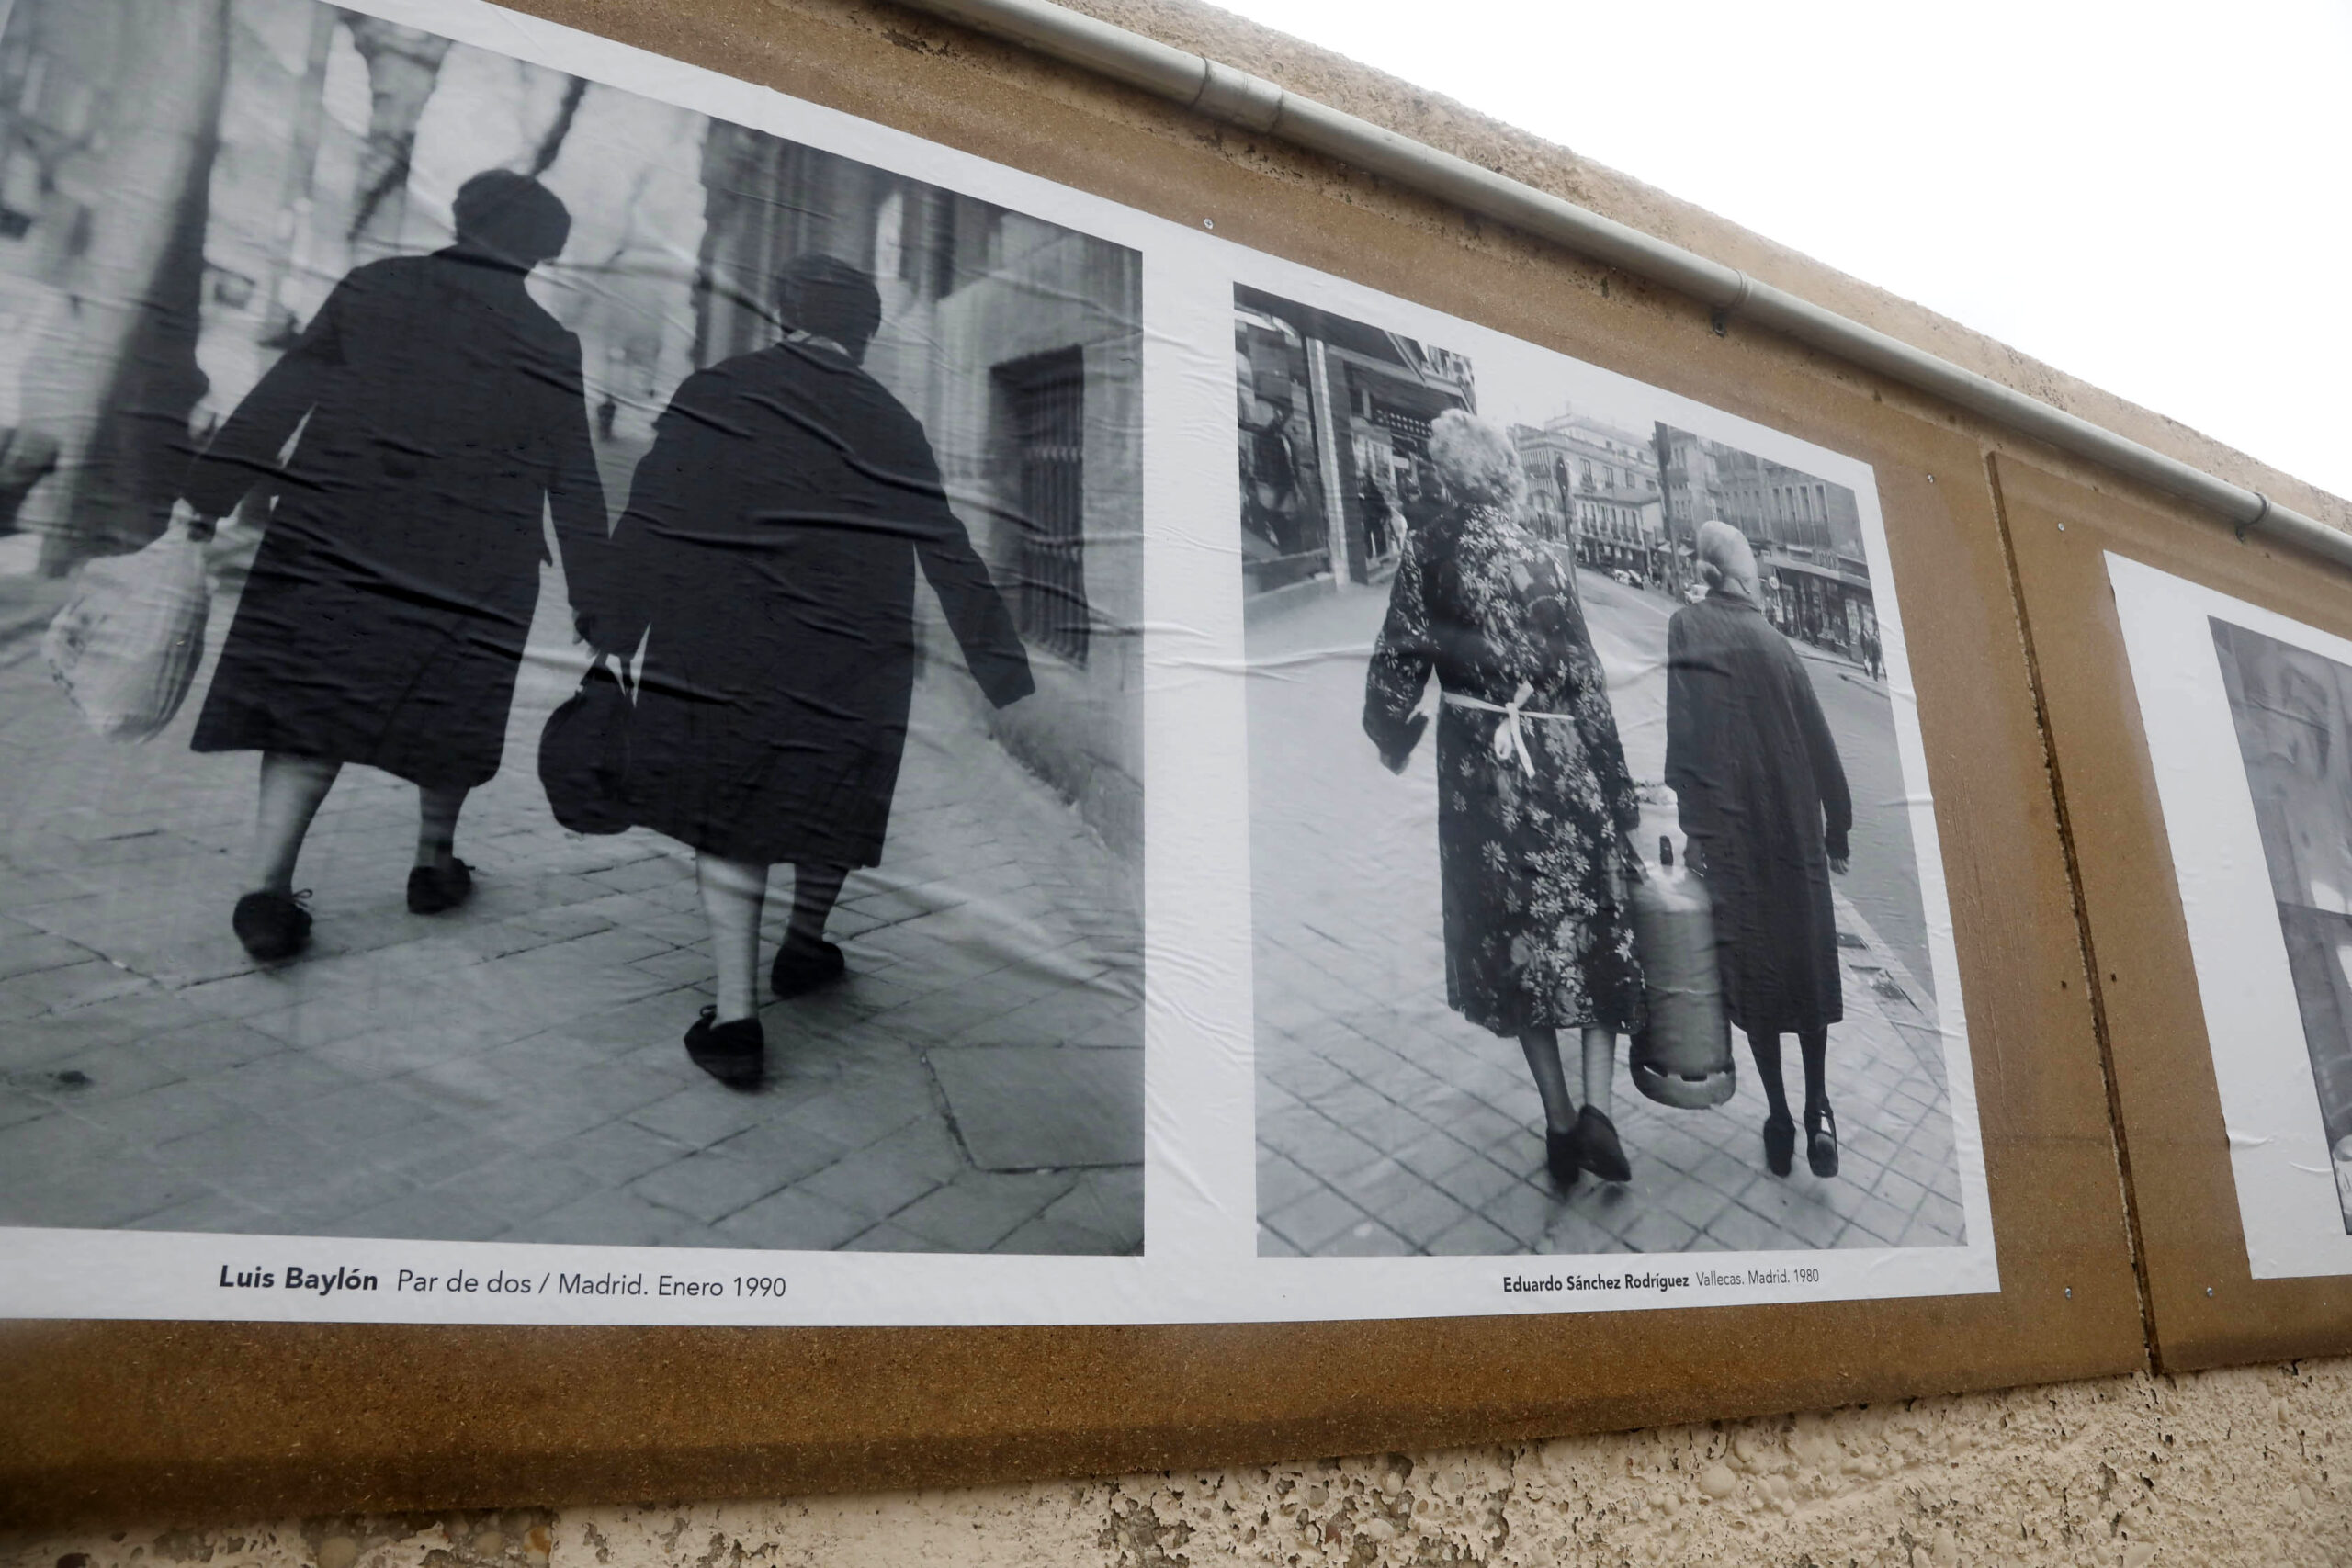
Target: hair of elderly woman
point(824, 294)
point(1475, 460)
point(511, 216)
point(1725, 555)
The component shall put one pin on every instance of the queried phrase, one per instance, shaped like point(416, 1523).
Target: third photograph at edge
point(1588, 915)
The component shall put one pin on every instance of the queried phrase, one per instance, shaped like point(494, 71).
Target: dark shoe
point(1821, 1141)
point(1599, 1149)
point(432, 890)
point(801, 967)
point(1780, 1145)
point(1562, 1156)
point(272, 926)
point(735, 1053)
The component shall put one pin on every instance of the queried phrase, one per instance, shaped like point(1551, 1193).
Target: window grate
point(1048, 398)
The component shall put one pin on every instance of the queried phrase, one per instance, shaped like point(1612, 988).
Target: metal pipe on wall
point(1236, 98)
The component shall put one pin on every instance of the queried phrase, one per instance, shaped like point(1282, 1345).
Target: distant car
point(1625, 578)
point(1695, 593)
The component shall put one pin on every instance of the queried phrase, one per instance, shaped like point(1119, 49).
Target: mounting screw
point(1208, 222)
point(2209, 1290)
point(1720, 318)
point(2070, 1292)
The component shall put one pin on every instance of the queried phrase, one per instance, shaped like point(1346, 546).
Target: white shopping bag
point(126, 646)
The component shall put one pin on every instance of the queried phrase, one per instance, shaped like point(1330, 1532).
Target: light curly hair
point(1477, 460)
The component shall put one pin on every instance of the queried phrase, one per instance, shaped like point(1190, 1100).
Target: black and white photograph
point(1588, 907)
point(2292, 710)
point(2248, 715)
point(568, 668)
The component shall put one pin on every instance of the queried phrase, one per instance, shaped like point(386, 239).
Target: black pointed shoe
point(1780, 1145)
point(432, 890)
point(735, 1053)
point(1821, 1140)
point(272, 926)
point(801, 967)
point(1598, 1146)
point(1562, 1156)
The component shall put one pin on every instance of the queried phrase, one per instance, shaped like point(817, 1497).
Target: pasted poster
point(603, 666)
point(2248, 717)
point(1541, 657)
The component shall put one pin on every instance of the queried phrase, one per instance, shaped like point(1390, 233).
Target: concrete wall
point(2251, 1465)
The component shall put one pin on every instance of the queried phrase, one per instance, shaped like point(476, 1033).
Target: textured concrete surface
point(2250, 1465)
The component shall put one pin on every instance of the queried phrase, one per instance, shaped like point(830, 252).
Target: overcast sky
point(2157, 197)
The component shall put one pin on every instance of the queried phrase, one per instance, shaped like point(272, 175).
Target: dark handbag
point(584, 754)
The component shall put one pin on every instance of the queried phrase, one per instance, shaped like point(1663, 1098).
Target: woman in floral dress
point(1536, 805)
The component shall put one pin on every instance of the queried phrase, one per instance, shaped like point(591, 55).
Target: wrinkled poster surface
point(2248, 717)
point(602, 667)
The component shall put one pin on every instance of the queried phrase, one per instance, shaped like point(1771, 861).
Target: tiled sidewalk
point(513, 1070)
point(1397, 1128)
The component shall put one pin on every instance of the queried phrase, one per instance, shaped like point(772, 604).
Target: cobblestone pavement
point(1387, 1124)
point(513, 1070)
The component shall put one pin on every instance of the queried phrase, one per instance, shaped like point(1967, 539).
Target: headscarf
point(1726, 561)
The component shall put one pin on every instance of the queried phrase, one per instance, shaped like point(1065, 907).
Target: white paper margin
point(2278, 1154)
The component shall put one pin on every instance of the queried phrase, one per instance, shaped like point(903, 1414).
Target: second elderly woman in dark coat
point(441, 418)
point(1761, 794)
point(768, 558)
point(1534, 801)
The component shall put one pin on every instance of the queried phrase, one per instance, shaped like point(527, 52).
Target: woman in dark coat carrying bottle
point(1534, 800)
point(441, 416)
point(1762, 795)
point(767, 555)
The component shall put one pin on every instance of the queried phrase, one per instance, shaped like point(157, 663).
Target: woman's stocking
point(1542, 1049)
point(732, 892)
point(1766, 1049)
point(1815, 1044)
point(437, 827)
point(814, 889)
point(292, 789)
point(1599, 1067)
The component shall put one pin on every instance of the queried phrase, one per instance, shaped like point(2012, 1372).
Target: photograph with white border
point(2248, 716)
point(1500, 680)
point(397, 393)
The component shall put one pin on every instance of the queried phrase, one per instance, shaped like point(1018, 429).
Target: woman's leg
point(732, 892)
point(1599, 1067)
point(1814, 1045)
point(1542, 1049)
point(814, 890)
point(1780, 1132)
point(437, 827)
point(291, 791)
point(1766, 1049)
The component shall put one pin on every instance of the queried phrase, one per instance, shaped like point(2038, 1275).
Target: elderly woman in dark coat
point(441, 416)
point(768, 556)
point(1534, 801)
point(1762, 795)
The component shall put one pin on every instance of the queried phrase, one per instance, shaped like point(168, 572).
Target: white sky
point(2155, 196)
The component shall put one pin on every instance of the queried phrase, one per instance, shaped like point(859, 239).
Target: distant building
point(1806, 532)
point(1595, 487)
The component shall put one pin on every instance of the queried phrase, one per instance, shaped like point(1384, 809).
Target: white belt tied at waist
point(1510, 743)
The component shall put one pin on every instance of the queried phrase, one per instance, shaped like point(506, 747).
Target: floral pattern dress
point(1537, 933)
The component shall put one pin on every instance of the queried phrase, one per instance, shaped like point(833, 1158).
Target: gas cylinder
point(1683, 1057)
